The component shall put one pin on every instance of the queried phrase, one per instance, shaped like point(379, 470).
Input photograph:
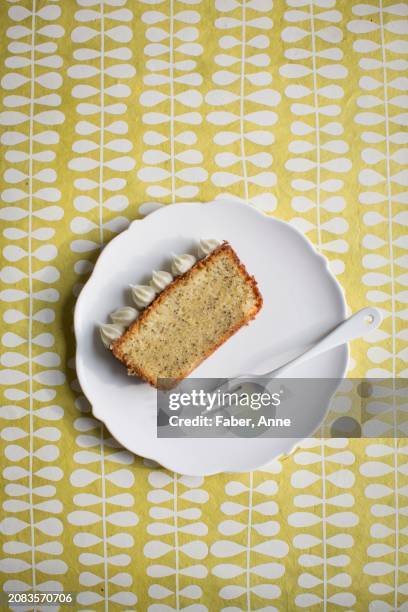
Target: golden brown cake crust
point(117, 345)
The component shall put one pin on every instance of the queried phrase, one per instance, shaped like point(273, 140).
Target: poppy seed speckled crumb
point(190, 319)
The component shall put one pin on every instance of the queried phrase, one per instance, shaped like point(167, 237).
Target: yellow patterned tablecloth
point(109, 109)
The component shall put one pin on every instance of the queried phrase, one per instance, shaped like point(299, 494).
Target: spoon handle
point(357, 325)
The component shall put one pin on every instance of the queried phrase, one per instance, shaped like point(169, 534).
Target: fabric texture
point(109, 110)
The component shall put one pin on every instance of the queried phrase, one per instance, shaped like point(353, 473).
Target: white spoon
point(357, 325)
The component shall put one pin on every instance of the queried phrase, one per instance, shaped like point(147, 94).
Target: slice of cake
point(189, 319)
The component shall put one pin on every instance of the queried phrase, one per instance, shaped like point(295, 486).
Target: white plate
point(302, 300)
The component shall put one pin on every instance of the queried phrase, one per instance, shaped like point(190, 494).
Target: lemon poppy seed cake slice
point(190, 319)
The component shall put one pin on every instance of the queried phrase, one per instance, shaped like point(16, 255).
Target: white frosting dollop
point(110, 332)
point(207, 245)
point(182, 263)
point(160, 280)
point(142, 295)
point(124, 316)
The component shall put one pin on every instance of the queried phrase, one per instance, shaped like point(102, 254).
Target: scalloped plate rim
point(165, 210)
